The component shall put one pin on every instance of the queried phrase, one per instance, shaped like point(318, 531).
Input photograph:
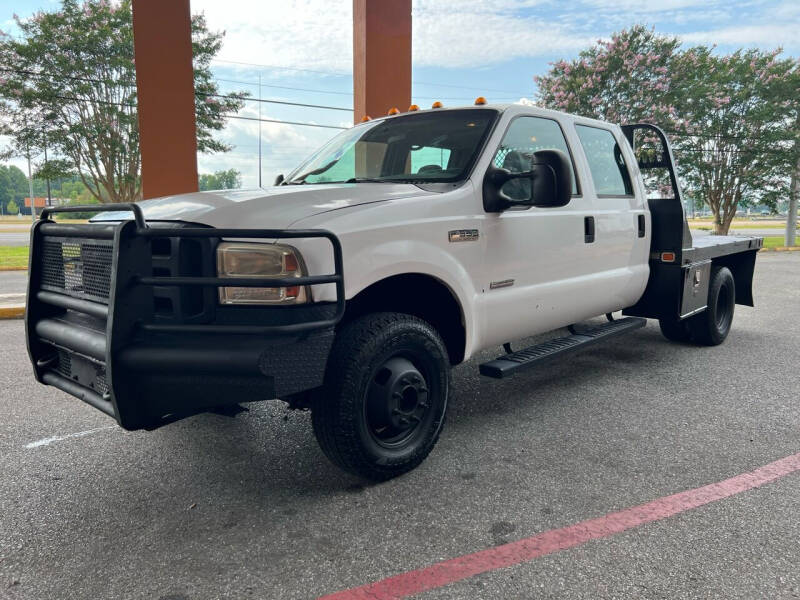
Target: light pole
point(30, 187)
point(47, 178)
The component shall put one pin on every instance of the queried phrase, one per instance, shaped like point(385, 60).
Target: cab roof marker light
point(393, 111)
point(437, 104)
point(413, 107)
point(366, 118)
point(480, 101)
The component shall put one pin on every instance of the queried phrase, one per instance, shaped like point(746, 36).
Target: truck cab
point(399, 249)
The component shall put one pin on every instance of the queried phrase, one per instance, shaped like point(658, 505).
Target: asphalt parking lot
point(220, 507)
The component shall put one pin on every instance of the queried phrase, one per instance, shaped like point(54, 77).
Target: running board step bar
point(545, 352)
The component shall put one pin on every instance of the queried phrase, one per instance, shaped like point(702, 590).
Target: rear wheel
point(711, 327)
point(385, 395)
point(674, 330)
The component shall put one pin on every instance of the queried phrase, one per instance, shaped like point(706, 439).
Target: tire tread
point(334, 410)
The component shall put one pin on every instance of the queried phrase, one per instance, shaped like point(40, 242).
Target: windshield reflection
point(431, 146)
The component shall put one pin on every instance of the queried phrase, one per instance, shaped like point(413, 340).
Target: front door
point(544, 267)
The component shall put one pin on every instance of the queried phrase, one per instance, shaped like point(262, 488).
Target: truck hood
point(274, 208)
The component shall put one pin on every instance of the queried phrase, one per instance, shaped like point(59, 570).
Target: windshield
point(426, 147)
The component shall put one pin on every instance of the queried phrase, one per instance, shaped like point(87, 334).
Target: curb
point(782, 249)
point(5, 268)
point(12, 312)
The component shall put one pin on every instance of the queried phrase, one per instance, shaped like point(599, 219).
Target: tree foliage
point(13, 186)
point(732, 118)
point(220, 180)
point(69, 85)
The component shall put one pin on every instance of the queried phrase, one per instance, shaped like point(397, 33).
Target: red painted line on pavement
point(555, 540)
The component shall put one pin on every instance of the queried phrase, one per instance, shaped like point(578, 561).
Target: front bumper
point(124, 317)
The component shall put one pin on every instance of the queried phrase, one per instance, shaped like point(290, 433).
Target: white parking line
point(58, 438)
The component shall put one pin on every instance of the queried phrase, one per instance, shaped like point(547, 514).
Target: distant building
point(42, 202)
point(37, 202)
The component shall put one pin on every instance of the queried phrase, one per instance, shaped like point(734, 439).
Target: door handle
point(588, 230)
point(641, 225)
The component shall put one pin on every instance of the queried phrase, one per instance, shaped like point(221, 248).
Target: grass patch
point(13, 256)
point(757, 225)
point(774, 241)
point(740, 223)
point(26, 220)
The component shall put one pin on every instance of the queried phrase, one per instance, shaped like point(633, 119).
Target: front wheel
point(383, 404)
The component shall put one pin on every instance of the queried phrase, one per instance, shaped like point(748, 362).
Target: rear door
point(618, 260)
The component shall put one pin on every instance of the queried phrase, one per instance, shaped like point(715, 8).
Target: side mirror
point(278, 180)
point(547, 184)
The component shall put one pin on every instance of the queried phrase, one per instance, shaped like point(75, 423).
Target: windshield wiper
point(364, 180)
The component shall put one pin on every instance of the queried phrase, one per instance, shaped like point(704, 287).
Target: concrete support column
point(381, 56)
point(162, 39)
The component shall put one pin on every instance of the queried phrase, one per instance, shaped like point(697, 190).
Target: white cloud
point(771, 35)
point(283, 147)
point(637, 6)
point(476, 34)
point(304, 34)
point(317, 34)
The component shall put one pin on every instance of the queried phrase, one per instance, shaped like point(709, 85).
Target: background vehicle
point(401, 248)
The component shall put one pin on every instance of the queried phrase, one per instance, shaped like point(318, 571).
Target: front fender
point(400, 257)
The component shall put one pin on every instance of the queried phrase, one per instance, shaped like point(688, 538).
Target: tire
point(711, 327)
point(384, 401)
point(674, 331)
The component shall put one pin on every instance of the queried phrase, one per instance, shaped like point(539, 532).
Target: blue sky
point(462, 49)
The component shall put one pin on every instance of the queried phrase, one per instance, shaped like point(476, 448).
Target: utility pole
point(30, 188)
point(259, 129)
point(47, 178)
point(794, 195)
point(794, 190)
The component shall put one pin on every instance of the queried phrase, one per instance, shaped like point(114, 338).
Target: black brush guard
point(93, 330)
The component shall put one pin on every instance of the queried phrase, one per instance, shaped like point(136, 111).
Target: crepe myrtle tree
point(730, 117)
point(68, 84)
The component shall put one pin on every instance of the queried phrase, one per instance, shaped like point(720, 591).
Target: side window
point(525, 136)
point(427, 159)
point(609, 172)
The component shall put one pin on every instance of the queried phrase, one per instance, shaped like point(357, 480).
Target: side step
point(541, 354)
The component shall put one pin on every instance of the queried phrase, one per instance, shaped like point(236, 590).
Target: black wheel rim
point(397, 402)
point(723, 310)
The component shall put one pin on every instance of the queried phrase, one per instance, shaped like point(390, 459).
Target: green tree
point(19, 182)
point(6, 191)
point(728, 116)
point(12, 208)
point(69, 86)
point(220, 180)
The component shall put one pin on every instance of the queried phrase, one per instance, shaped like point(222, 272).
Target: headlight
point(269, 261)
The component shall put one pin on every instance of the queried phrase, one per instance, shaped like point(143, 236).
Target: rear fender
point(742, 265)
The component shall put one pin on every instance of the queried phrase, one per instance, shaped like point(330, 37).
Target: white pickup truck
point(400, 249)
